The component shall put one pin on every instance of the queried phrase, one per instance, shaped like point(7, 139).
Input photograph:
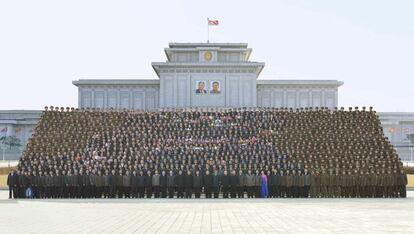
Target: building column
point(144, 99)
point(131, 99)
point(297, 102)
point(118, 99)
point(310, 98)
point(161, 94)
point(10, 130)
point(254, 92)
point(323, 98)
point(272, 97)
point(80, 97)
point(93, 98)
point(105, 101)
point(336, 97)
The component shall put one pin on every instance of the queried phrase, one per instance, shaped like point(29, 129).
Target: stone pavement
point(207, 216)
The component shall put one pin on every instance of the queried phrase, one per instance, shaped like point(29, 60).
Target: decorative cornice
point(222, 45)
point(207, 64)
point(169, 51)
point(196, 49)
point(218, 67)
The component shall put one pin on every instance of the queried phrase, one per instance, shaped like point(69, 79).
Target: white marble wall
point(237, 90)
point(144, 97)
point(296, 96)
point(20, 124)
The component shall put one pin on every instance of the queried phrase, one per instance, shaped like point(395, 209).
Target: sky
point(46, 44)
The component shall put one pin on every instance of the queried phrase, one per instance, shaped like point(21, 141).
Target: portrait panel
point(200, 87)
point(215, 87)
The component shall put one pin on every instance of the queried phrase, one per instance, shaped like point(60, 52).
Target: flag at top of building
point(212, 22)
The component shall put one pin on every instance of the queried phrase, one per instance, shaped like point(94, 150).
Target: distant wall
point(297, 93)
point(118, 94)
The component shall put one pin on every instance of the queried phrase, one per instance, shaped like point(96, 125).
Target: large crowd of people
point(226, 153)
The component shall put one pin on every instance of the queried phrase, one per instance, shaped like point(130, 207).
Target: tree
point(9, 141)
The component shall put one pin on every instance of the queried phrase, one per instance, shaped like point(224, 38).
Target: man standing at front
point(208, 183)
point(11, 183)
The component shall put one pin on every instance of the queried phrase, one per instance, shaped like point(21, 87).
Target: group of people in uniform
point(229, 153)
point(161, 185)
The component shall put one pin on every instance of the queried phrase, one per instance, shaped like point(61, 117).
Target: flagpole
point(208, 31)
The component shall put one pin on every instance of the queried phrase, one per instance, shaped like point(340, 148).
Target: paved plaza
point(207, 216)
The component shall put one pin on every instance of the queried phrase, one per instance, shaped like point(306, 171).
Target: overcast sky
point(46, 44)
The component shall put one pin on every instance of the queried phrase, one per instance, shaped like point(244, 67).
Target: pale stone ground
point(208, 216)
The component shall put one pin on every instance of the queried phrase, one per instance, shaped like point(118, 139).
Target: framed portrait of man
point(201, 87)
point(215, 87)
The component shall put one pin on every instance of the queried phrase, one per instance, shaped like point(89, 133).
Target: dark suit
point(148, 185)
point(120, 185)
point(188, 185)
point(216, 185)
point(10, 183)
point(225, 183)
point(134, 186)
point(112, 185)
point(171, 185)
point(180, 186)
point(234, 182)
point(141, 186)
point(208, 184)
point(163, 185)
point(197, 184)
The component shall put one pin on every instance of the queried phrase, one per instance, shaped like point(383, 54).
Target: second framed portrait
point(215, 87)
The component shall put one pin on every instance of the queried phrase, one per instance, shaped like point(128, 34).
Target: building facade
point(19, 124)
point(207, 75)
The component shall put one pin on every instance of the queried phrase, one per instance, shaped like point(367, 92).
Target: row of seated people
point(290, 184)
point(322, 141)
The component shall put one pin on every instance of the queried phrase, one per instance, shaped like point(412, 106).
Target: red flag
point(18, 130)
point(213, 22)
point(391, 130)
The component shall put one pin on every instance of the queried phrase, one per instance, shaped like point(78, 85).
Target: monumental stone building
point(205, 75)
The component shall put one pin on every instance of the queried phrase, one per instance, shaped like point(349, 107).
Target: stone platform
point(207, 216)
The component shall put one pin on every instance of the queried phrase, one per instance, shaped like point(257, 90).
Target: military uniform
point(197, 184)
point(225, 185)
point(171, 185)
point(250, 185)
point(188, 185)
point(208, 184)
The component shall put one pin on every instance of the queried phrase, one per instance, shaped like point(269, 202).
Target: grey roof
point(116, 81)
point(21, 111)
point(300, 82)
point(204, 44)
